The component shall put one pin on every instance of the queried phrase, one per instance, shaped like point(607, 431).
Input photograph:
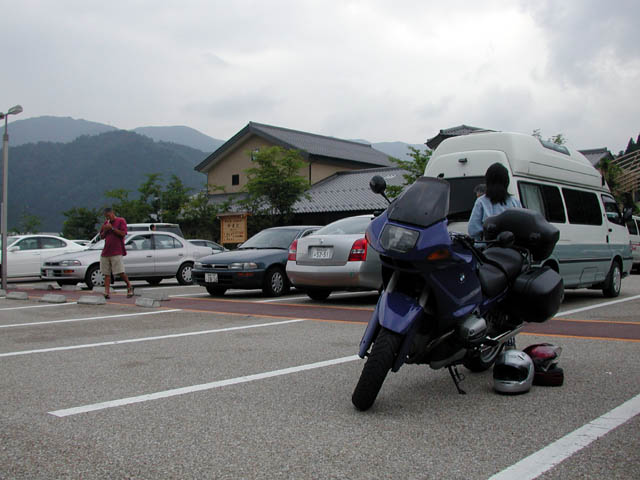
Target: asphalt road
point(250, 387)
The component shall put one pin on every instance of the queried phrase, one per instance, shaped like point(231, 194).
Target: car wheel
point(318, 293)
point(94, 277)
point(67, 282)
point(184, 274)
point(276, 282)
point(153, 280)
point(613, 282)
point(215, 291)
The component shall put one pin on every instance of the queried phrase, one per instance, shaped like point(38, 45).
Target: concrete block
point(71, 288)
point(155, 294)
point(147, 302)
point(98, 289)
point(92, 300)
point(53, 286)
point(17, 296)
point(53, 298)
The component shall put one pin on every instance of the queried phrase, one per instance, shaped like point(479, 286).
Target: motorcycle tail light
point(293, 250)
point(440, 254)
point(358, 251)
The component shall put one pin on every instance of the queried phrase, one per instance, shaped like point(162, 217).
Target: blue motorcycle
point(446, 301)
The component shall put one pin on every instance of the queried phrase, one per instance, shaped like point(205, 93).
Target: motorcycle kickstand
point(457, 378)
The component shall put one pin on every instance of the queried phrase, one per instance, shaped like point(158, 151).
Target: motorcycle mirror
point(505, 239)
point(377, 184)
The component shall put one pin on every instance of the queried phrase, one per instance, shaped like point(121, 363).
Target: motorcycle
point(447, 301)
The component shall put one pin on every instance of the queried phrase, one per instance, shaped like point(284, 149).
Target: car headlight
point(243, 266)
point(197, 264)
point(70, 263)
point(398, 238)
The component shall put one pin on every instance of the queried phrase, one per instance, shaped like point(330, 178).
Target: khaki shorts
point(111, 265)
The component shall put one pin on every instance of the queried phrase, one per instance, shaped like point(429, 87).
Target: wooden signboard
point(233, 228)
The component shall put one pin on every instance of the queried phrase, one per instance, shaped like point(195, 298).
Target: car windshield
point(346, 226)
point(99, 245)
point(271, 238)
point(10, 240)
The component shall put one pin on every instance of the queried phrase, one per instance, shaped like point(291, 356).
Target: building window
point(235, 179)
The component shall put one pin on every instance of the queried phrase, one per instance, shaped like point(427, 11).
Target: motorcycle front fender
point(394, 311)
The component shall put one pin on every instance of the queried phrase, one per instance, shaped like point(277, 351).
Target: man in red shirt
point(113, 230)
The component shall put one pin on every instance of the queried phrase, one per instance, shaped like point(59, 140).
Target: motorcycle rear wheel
point(376, 368)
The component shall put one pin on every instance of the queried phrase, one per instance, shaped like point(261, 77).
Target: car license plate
point(48, 273)
point(211, 277)
point(321, 252)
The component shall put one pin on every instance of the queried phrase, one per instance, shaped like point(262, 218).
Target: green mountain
point(52, 129)
point(46, 178)
point(182, 135)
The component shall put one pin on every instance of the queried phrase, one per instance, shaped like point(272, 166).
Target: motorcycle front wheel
point(376, 368)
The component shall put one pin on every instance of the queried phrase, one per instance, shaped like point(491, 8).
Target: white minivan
point(560, 183)
point(633, 226)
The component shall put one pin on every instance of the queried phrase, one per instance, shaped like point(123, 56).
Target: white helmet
point(513, 372)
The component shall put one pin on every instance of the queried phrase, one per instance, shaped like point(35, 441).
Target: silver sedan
point(335, 257)
point(151, 256)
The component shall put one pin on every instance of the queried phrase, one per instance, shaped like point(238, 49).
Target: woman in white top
point(496, 200)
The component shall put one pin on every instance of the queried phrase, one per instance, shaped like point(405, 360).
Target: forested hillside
point(46, 178)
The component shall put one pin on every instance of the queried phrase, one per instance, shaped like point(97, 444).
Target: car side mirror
point(14, 249)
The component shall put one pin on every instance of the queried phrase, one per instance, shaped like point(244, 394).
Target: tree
point(611, 172)
point(151, 197)
point(558, 138)
point(173, 198)
point(29, 223)
point(415, 169)
point(133, 211)
point(81, 222)
point(199, 217)
point(274, 185)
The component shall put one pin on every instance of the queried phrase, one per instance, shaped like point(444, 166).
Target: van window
point(632, 227)
point(583, 207)
point(611, 209)
point(545, 199)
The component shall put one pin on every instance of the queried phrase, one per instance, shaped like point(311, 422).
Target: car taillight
point(358, 251)
point(293, 249)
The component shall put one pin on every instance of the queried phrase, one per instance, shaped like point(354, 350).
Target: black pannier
point(530, 230)
point(536, 295)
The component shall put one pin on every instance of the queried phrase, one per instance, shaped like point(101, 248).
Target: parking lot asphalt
point(250, 387)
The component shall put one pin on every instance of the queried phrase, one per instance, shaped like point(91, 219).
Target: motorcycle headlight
point(243, 266)
point(398, 238)
point(70, 263)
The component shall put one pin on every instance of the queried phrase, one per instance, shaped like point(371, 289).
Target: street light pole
point(5, 181)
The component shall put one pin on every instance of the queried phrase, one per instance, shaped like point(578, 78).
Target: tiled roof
point(309, 144)
point(445, 133)
point(349, 191)
point(594, 155)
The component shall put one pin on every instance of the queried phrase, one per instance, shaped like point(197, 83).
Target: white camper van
point(593, 250)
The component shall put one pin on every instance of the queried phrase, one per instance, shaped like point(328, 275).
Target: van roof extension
point(526, 155)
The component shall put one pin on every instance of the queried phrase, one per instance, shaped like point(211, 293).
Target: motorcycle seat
point(502, 266)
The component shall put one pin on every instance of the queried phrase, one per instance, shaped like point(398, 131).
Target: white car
point(151, 256)
point(25, 253)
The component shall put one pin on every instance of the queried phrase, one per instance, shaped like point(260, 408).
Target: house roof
point(309, 144)
point(348, 191)
point(445, 133)
point(594, 155)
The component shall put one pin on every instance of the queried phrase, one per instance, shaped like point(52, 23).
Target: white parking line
point(543, 460)
point(40, 306)
point(146, 339)
point(85, 319)
point(198, 388)
point(597, 305)
point(190, 295)
point(333, 295)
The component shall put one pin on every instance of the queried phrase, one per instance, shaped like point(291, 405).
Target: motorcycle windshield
point(424, 203)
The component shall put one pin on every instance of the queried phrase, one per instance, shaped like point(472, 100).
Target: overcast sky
point(375, 70)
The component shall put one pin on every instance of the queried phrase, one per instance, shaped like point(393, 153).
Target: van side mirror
point(626, 214)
